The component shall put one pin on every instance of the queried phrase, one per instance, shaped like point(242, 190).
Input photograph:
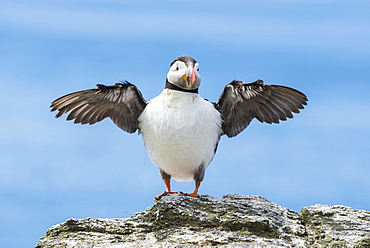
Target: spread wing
point(240, 102)
point(123, 103)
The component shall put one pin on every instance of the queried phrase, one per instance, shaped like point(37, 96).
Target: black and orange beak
point(190, 77)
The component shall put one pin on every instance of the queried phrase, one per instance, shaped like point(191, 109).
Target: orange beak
point(190, 77)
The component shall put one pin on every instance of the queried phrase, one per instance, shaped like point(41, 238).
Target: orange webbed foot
point(190, 194)
point(164, 193)
point(195, 192)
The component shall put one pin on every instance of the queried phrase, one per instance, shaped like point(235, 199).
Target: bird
point(179, 128)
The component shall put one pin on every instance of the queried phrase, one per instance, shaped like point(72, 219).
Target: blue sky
point(52, 170)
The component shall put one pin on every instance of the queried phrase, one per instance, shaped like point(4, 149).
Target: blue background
point(52, 170)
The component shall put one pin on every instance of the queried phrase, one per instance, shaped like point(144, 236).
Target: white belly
point(180, 131)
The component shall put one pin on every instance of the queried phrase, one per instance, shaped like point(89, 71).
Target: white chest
point(180, 131)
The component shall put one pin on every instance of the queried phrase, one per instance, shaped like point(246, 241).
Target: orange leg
point(195, 193)
point(167, 182)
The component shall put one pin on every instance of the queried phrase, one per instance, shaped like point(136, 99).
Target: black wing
point(123, 103)
point(240, 102)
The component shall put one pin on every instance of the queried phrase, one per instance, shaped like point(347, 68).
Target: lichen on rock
point(230, 221)
point(336, 226)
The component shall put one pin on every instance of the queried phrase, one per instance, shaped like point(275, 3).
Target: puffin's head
point(184, 73)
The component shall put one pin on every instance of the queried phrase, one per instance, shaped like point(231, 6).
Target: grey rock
point(336, 226)
point(230, 221)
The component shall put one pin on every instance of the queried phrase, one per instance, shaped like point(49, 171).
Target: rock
point(230, 221)
point(336, 226)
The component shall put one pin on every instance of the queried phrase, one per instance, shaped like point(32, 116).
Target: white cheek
point(175, 76)
point(198, 77)
point(170, 76)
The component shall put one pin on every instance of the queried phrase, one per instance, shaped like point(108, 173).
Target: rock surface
point(230, 221)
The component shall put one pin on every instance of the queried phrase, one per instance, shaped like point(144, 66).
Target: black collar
point(174, 87)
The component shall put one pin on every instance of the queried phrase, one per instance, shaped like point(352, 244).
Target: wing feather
point(122, 102)
point(241, 102)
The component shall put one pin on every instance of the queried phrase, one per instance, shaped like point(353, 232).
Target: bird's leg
point(198, 177)
point(167, 182)
point(195, 193)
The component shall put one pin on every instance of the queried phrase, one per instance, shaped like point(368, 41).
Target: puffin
point(180, 129)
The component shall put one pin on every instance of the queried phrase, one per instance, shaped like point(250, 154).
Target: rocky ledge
point(230, 221)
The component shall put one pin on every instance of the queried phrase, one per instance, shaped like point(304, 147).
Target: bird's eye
point(197, 69)
point(177, 68)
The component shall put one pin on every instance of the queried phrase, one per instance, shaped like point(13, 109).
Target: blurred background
point(52, 170)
